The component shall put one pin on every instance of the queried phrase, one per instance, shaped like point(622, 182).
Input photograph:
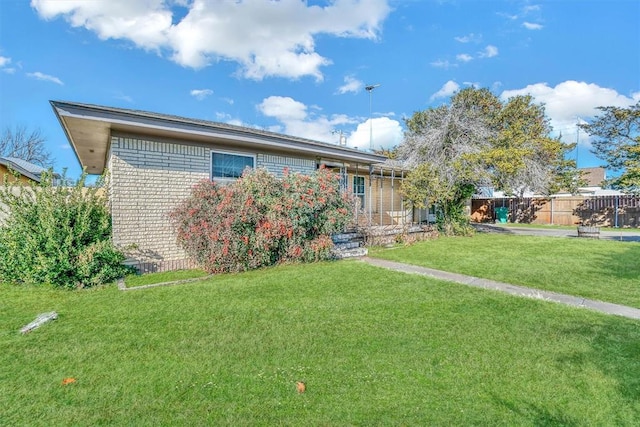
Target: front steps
point(348, 245)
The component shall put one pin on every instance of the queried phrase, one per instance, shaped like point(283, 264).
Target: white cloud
point(283, 108)
point(4, 65)
point(385, 132)
point(471, 37)
point(531, 26)
point(124, 97)
point(443, 63)
point(351, 84)
point(570, 101)
point(508, 16)
point(531, 8)
point(229, 101)
point(200, 94)
point(45, 77)
point(295, 119)
point(265, 38)
point(463, 57)
point(448, 89)
point(489, 52)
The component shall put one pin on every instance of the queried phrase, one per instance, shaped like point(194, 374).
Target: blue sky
point(301, 67)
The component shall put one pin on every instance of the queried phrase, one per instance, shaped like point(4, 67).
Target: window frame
point(361, 195)
point(232, 153)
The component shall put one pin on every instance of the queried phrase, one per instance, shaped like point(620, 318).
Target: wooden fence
point(606, 211)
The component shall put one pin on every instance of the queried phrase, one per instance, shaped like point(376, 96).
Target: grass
point(374, 347)
point(597, 269)
point(135, 280)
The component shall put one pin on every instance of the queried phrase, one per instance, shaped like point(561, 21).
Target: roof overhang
point(89, 129)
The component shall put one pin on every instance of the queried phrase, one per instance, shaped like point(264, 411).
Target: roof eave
point(134, 121)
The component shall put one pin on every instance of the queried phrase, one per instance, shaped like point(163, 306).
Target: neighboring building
point(19, 169)
point(155, 159)
point(595, 178)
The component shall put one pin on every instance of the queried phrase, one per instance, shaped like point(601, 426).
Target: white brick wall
point(149, 178)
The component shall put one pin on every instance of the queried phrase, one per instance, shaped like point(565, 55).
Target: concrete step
point(350, 253)
point(346, 237)
point(347, 245)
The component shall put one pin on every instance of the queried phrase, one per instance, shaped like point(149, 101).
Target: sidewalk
point(603, 307)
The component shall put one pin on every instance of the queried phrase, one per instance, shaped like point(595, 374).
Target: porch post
point(393, 175)
point(356, 198)
point(370, 193)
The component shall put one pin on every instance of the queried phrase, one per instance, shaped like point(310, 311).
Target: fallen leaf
point(301, 387)
point(68, 381)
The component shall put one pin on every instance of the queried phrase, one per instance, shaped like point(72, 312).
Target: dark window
point(229, 166)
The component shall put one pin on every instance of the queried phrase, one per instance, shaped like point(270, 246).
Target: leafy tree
point(391, 153)
point(479, 140)
point(25, 144)
point(449, 141)
point(617, 133)
point(523, 156)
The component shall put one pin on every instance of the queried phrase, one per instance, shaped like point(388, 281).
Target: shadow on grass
point(614, 347)
point(537, 415)
point(624, 264)
point(612, 351)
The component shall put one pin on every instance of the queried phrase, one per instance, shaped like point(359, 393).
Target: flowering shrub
point(261, 220)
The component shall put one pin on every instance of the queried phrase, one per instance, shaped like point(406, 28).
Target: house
point(13, 168)
point(154, 160)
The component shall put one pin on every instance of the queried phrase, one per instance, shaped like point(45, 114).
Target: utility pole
point(577, 141)
point(370, 88)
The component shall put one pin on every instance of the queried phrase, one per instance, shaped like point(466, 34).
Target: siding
point(276, 164)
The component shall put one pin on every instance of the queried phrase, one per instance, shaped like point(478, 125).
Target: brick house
point(154, 160)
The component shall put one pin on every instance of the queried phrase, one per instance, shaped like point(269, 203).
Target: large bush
point(57, 235)
point(261, 220)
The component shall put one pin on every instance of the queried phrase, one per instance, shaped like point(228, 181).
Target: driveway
point(623, 236)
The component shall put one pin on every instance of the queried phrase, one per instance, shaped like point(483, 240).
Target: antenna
point(343, 138)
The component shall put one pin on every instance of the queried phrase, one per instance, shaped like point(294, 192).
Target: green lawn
point(598, 269)
point(374, 347)
point(135, 280)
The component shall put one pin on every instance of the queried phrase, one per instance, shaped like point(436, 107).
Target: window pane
point(225, 165)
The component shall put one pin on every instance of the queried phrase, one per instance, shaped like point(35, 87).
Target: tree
point(443, 146)
point(390, 153)
point(523, 156)
point(617, 132)
point(25, 144)
point(479, 140)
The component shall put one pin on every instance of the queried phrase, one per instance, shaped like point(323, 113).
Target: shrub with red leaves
point(261, 220)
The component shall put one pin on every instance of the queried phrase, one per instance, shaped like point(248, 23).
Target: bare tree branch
point(26, 144)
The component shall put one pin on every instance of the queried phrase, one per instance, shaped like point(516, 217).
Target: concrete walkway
point(603, 307)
